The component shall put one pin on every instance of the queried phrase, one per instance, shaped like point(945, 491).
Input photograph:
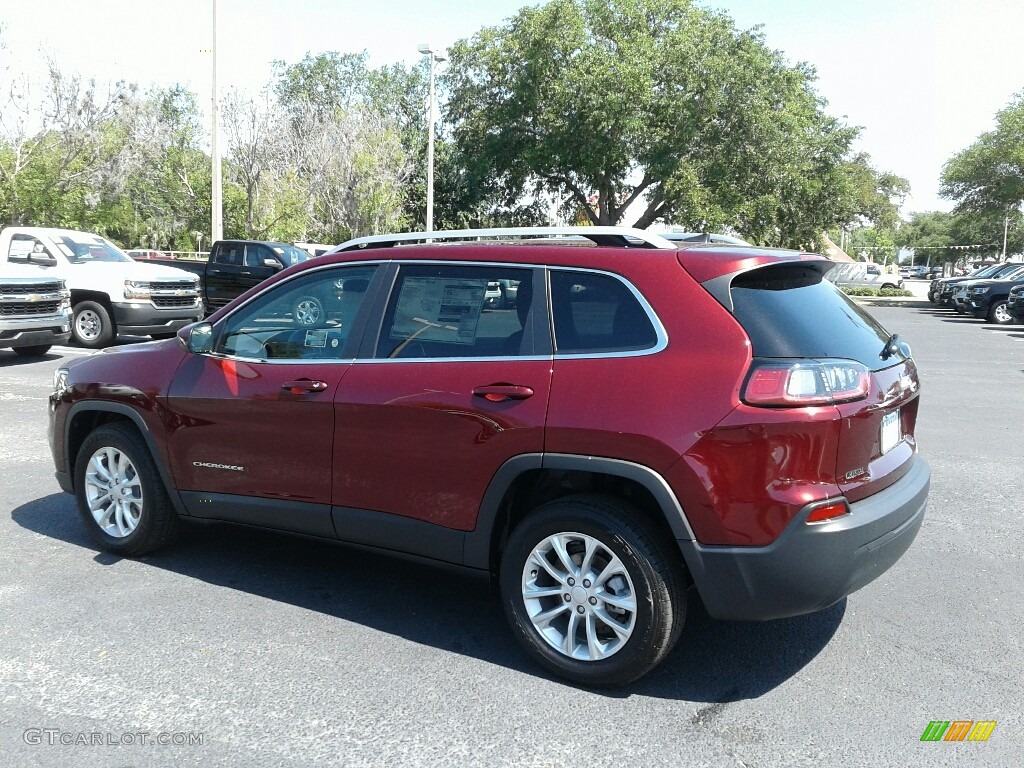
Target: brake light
point(828, 511)
point(806, 382)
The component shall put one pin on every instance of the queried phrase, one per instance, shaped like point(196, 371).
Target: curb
point(895, 301)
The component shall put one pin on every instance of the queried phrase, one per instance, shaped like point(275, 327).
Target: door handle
point(498, 393)
point(304, 385)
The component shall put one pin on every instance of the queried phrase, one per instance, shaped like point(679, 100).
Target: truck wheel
point(309, 311)
point(36, 350)
point(121, 498)
point(998, 313)
point(92, 326)
point(591, 592)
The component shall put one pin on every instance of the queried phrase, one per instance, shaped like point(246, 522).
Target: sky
point(923, 78)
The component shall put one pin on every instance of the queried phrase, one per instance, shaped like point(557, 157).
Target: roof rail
point(623, 237)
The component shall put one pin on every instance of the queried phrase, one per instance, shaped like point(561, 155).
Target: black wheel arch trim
point(477, 546)
point(147, 436)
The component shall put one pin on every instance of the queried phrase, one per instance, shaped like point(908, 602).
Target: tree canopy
point(987, 178)
point(609, 103)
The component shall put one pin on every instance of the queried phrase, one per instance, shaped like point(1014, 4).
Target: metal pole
point(216, 197)
point(1006, 226)
point(430, 150)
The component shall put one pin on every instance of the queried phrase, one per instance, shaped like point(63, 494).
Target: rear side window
point(597, 313)
point(456, 311)
point(791, 311)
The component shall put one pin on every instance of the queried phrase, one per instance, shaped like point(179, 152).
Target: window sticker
point(439, 309)
point(20, 249)
point(317, 338)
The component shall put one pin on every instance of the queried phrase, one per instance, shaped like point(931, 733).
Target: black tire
point(655, 570)
point(91, 326)
point(36, 350)
point(157, 523)
point(888, 287)
point(998, 314)
point(309, 311)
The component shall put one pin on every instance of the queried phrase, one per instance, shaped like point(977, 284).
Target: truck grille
point(23, 309)
point(174, 285)
point(22, 289)
point(174, 301)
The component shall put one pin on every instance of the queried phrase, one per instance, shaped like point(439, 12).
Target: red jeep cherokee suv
point(637, 420)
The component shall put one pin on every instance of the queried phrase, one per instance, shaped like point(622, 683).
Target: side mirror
point(272, 263)
point(197, 338)
point(42, 258)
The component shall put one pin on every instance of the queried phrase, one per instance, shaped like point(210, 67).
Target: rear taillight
point(806, 382)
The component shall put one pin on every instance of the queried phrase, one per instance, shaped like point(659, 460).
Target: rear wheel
point(591, 591)
point(998, 313)
point(36, 350)
point(92, 326)
point(121, 497)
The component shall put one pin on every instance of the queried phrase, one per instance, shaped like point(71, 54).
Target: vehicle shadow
point(9, 358)
point(715, 662)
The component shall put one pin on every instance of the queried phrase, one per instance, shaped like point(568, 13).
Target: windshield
point(290, 255)
point(83, 248)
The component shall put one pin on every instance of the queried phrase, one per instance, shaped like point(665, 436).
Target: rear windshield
point(791, 311)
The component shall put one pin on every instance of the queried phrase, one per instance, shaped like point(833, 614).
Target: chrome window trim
point(661, 341)
point(660, 344)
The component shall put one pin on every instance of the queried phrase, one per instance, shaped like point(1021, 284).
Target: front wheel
point(92, 326)
point(998, 313)
point(591, 591)
point(121, 497)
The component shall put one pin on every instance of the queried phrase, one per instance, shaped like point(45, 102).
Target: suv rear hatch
point(813, 347)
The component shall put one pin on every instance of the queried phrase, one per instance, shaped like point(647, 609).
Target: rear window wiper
point(894, 345)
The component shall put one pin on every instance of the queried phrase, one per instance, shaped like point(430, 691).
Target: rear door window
point(791, 311)
point(595, 312)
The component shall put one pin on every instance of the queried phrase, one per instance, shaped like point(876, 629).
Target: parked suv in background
point(1015, 303)
point(988, 298)
point(645, 419)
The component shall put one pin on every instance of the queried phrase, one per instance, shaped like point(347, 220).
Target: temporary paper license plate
point(890, 431)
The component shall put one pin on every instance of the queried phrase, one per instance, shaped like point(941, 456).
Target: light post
point(426, 50)
point(1006, 227)
point(216, 203)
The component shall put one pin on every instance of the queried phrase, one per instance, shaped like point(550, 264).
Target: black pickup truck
point(235, 266)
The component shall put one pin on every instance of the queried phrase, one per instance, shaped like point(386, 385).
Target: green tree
point(988, 176)
point(650, 101)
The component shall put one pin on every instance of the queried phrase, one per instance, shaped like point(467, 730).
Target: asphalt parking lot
point(241, 648)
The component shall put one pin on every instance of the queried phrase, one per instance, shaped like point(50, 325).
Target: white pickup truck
point(111, 293)
point(35, 309)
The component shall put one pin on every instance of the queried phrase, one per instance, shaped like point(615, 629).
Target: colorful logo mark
point(958, 730)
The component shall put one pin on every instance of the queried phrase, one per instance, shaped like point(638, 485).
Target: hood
point(127, 270)
point(29, 271)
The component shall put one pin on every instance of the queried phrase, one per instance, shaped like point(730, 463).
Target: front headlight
point(60, 381)
point(979, 291)
point(136, 289)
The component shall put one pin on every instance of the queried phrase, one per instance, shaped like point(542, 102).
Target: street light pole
point(426, 50)
point(1006, 227)
point(216, 196)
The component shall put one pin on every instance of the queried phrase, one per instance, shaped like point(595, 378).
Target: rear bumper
point(145, 319)
point(810, 567)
